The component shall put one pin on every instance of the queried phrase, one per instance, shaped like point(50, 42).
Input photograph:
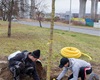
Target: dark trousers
point(82, 73)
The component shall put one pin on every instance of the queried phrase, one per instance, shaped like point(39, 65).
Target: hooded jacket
point(74, 66)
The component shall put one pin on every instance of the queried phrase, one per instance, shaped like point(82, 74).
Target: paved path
point(85, 30)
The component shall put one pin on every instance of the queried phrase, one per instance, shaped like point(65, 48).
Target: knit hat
point(63, 61)
point(36, 53)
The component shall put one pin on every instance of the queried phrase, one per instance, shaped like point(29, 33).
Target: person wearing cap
point(24, 63)
point(79, 68)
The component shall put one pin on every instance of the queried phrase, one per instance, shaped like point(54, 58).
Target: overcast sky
point(64, 5)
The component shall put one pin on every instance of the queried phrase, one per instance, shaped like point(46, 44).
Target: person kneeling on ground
point(24, 63)
point(78, 67)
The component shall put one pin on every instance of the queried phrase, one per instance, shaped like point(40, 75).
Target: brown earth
point(5, 74)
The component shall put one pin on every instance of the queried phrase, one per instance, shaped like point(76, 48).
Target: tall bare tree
point(8, 10)
point(11, 3)
point(40, 16)
point(51, 41)
point(40, 7)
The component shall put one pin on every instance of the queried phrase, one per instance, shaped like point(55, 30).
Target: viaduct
point(82, 8)
point(94, 6)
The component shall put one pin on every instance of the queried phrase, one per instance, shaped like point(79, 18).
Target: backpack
point(15, 53)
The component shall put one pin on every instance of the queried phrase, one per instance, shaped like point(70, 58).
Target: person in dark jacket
point(24, 63)
point(79, 68)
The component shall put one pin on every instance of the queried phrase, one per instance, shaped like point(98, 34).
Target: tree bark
point(10, 18)
point(51, 41)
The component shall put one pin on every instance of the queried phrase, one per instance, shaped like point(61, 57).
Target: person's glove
point(29, 70)
point(21, 65)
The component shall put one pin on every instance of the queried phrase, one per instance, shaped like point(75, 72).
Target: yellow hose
point(72, 52)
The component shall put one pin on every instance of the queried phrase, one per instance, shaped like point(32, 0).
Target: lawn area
point(24, 37)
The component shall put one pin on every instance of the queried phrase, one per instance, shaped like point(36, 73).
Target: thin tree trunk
point(9, 19)
point(9, 28)
point(51, 41)
point(40, 23)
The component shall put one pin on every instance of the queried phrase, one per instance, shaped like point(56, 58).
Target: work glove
point(21, 65)
point(29, 70)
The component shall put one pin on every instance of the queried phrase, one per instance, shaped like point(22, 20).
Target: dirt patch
point(5, 74)
point(96, 68)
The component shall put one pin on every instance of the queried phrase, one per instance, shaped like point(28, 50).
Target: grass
point(25, 37)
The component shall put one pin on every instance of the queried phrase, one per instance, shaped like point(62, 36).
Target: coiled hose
point(72, 52)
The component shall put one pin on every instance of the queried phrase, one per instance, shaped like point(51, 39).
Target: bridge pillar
point(33, 10)
point(94, 5)
point(21, 12)
point(82, 8)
